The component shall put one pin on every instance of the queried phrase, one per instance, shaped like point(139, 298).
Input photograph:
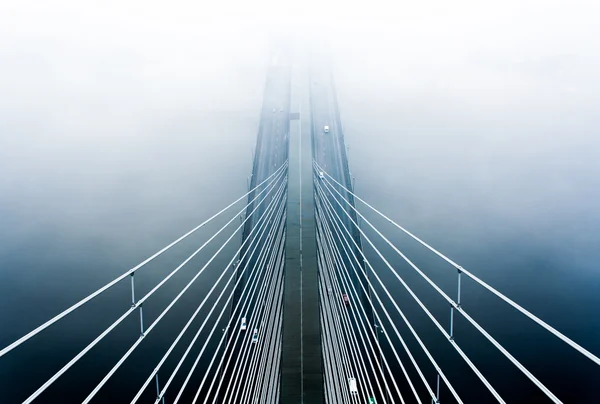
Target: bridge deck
point(301, 361)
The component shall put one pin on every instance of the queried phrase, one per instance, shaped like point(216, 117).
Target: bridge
point(311, 305)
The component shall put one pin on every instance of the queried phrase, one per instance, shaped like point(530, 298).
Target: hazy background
point(123, 124)
point(476, 126)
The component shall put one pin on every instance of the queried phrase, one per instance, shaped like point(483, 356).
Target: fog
point(125, 123)
point(476, 111)
point(115, 113)
point(95, 92)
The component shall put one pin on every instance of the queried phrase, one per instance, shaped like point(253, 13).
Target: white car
point(244, 325)
point(255, 336)
point(326, 129)
point(321, 175)
point(352, 384)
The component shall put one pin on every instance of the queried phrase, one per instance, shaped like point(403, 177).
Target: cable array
point(265, 205)
point(337, 212)
point(241, 314)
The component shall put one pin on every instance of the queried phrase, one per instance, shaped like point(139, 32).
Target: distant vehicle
point(321, 175)
point(326, 129)
point(353, 387)
point(280, 109)
point(255, 336)
point(274, 110)
point(329, 290)
point(346, 299)
point(244, 324)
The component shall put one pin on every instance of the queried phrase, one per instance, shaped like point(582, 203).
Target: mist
point(107, 102)
point(479, 110)
point(123, 124)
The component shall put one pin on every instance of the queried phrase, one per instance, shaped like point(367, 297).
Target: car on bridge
point(321, 175)
point(346, 299)
point(326, 129)
point(353, 387)
point(244, 324)
point(255, 336)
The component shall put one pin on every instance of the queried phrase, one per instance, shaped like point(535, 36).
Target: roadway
point(327, 146)
point(329, 150)
point(270, 153)
point(271, 147)
point(272, 139)
point(273, 136)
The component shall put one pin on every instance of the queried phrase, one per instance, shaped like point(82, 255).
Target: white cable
point(254, 318)
point(335, 334)
point(270, 362)
point(454, 304)
point(263, 253)
point(438, 369)
point(166, 310)
point(276, 375)
point(332, 281)
point(327, 354)
point(516, 306)
point(346, 328)
point(269, 213)
point(347, 247)
point(346, 332)
point(99, 291)
point(271, 380)
point(102, 335)
point(338, 368)
point(432, 318)
point(421, 344)
point(262, 384)
point(327, 372)
point(259, 354)
point(269, 318)
point(348, 281)
point(258, 348)
point(228, 351)
point(246, 355)
point(339, 263)
point(339, 349)
point(252, 286)
point(246, 345)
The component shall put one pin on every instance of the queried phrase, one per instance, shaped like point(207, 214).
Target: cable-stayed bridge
point(306, 308)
